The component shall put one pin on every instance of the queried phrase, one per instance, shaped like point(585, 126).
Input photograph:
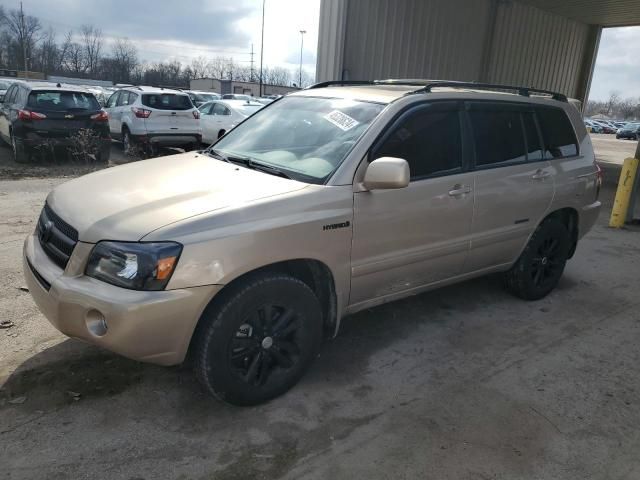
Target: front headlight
point(137, 266)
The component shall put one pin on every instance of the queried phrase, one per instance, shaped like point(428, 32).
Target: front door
point(514, 185)
point(404, 239)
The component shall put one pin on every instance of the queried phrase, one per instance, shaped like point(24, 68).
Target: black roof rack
point(332, 83)
point(523, 91)
point(346, 83)
point(428, 85)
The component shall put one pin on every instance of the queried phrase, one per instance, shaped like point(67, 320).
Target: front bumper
point(154, 327)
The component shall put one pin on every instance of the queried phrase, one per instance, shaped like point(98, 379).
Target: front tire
point(257, 341)
point(539, 268)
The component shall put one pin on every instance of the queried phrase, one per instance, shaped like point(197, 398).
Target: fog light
point(96, 323)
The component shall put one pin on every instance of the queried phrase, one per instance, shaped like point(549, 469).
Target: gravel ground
point(464, 382)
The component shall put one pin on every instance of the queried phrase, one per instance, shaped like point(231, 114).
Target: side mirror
point(387, 173)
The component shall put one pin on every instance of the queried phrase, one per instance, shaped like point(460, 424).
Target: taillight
point(141, 112)
point(196, 114)
point(29, 115)
point(101, 116)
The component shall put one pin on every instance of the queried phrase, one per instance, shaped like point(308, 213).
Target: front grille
point(57, 237)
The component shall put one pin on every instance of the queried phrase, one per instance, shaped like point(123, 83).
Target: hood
point(127, 202)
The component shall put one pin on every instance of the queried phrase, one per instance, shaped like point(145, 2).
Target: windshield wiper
point(247, 162)
point(268, 169)
point(216, 154)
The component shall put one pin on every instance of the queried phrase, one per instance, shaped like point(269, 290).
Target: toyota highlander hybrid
point(334, 199)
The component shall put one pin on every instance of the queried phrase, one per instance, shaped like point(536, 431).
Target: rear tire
point(539, 268)
point(20, 154)
point(257, 341)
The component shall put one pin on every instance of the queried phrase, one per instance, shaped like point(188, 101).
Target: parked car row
point(34, 115)
point(620, 128)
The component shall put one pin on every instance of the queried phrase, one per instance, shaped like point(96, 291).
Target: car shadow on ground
point(73, 371)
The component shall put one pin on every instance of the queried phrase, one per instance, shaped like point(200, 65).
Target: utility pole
point(302, 32)
point(24, 41)
point(251, 74)
point(262, 47)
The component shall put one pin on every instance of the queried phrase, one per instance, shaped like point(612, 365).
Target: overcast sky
point(182, 30)
point(618, 64)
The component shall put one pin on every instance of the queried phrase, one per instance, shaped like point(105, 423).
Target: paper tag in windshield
point(341, 120)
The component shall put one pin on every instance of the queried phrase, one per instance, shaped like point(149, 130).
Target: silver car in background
point(217, 118)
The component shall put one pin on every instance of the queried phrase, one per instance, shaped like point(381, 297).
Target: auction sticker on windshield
point(341, 120)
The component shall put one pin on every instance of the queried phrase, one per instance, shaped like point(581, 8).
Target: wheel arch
point(570, 218)
point(314, 273)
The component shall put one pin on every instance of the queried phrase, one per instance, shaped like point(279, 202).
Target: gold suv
point(326, 202)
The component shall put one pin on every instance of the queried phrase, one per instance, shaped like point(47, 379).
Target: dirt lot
point(463, 383)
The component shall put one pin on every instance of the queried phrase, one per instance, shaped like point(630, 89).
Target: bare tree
point(124, 60)
point(24, 31)
point(48, 53)
point(277, 76)
point(614, 99)
point(72, 55)
point(91, 38)
point(199, 67)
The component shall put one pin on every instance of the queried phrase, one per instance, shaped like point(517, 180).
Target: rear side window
point(167, 101)
point(57, 101)
point(10, 95)
point(498, 136)
point(534, 148)
point(558, 135)
point(429, 139)
point(219, 109)
point(112, 100)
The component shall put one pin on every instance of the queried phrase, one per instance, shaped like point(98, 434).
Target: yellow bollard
point(623, 194)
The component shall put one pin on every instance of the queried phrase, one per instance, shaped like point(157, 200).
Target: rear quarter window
point(557, 133)
point(167, 101)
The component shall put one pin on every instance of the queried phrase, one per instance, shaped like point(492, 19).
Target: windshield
point(61, 101)
point(305, 137)
point(4, 85)
point(205, 97)
point(248, 109)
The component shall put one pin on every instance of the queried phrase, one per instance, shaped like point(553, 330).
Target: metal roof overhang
point(605, 13)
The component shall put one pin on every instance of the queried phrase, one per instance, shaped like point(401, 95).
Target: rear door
point(407, 238)
point(514, 184)
point(223, 118)
point(207, 123)
point(5, 112)
point(171, 113)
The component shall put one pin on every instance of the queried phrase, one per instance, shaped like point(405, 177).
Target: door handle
point(540, 175)
point(459, 190)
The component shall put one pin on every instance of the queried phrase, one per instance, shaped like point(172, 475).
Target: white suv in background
point(150, 117)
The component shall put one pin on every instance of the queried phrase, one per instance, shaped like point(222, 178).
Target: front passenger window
point(429, 139)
